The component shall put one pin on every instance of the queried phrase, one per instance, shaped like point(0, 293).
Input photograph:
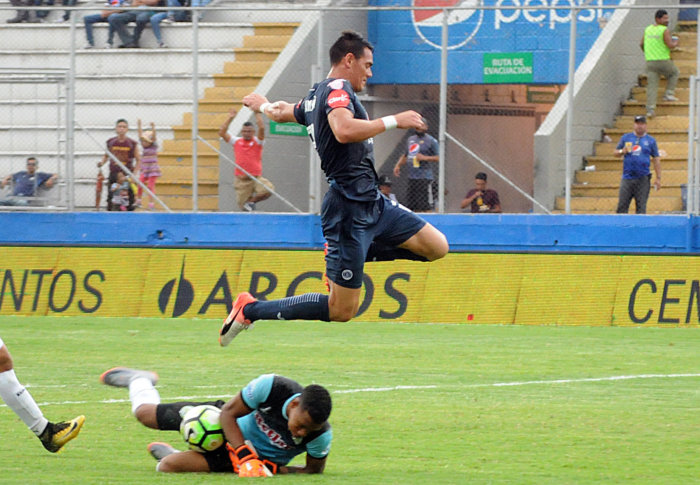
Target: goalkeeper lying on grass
point(269, 422)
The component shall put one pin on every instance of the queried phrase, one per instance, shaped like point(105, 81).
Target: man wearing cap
point(639, 149)
point(385, 188)
point(657, 44)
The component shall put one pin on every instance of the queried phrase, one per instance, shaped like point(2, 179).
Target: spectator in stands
point(639, 149)
point(657, 44)
point(21, 15)
point(159, 17)
point(150, 171)
point(480, 198)
point(126, 151)
point(141, 17)
point(247, 150)
point(26, 182)
point(174, 15)
point(120, 194)
point(385, 188)
point(421, 150)
point(103, 16)
point(42, 14)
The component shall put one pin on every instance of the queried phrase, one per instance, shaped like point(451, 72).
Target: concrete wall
point(632, 234)
point(601, 83)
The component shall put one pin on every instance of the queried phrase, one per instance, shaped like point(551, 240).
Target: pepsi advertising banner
point(514, 41)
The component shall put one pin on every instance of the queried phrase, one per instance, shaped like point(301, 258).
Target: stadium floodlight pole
point(314, 162)
point(570, 107)
point(443, 112)
point(692, 151)
point(195, 104)
point(70, 116)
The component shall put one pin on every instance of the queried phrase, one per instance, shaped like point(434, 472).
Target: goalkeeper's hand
point(247, 463)
point(253, 468)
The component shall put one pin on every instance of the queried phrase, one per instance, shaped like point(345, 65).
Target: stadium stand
point(148, 83)
point(596, 191)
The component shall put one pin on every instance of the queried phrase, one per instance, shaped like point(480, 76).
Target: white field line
point(400, 388)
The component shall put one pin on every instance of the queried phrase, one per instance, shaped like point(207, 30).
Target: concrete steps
point(596, 190)
point(154, 84)
point(658, 204)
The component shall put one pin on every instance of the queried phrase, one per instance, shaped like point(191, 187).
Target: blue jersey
point(348, 166)
point(636, 163)
point(24, 183)
point(267, 426)
point(426, 145)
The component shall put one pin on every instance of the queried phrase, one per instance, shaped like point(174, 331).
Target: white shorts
point(1, 343)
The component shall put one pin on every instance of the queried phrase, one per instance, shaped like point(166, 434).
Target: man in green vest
point(657, 44)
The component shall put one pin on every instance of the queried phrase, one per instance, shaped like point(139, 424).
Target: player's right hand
point(253, 468)
point(410, 119)
point(254, 101)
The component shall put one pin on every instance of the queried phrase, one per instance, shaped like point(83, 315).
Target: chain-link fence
point(490, 78)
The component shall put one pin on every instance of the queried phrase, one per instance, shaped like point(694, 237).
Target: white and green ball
point(201, 429)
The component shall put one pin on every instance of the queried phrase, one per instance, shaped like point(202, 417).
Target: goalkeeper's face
point(300, 422)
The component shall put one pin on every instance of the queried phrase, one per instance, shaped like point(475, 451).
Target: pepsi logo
point(463, 21)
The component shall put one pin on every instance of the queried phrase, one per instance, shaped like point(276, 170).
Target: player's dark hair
point(248, 123)
point(316, 401)
point(660, 13)
point(121, 120)
point(349, 42)
point(481, 176)
point(33, 158)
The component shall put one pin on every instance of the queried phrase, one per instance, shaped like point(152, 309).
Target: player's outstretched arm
point(279, 111)
point(313, 465)
point(348, 129)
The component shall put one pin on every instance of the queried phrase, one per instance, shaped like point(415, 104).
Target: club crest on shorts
point(346, 274)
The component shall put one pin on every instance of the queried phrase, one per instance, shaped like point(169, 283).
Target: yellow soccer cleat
point(56, 435)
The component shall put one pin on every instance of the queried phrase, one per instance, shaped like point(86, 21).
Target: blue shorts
point(350, 226)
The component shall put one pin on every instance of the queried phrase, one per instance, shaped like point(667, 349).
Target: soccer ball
point(200, 428)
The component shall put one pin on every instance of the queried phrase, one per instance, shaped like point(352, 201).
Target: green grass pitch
point(418, 404)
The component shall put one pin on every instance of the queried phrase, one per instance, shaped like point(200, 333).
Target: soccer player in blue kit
point(359, 223)
point(269, 422)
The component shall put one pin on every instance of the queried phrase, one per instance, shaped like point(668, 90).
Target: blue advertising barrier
point(671, 234)
point(500, 45)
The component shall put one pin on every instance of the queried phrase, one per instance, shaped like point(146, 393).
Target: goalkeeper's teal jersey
point(267, 426)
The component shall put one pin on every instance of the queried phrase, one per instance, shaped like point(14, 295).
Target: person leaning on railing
point(26, 182)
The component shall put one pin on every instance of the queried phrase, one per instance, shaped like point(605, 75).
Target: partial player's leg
point(52, 435)
point(142, 392)
point(186, 461)
point(402, 234)
point(427, 242)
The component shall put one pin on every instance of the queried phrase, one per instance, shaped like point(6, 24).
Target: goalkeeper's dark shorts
point(168, 418)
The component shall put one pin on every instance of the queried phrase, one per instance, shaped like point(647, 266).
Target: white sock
point(21, 402)
point(141, 391)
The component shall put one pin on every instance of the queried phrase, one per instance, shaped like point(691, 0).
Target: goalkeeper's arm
point(313, 465)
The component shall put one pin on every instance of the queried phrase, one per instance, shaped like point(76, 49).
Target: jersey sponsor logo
point(338, 99)
point(274, 437)
point(414, 148)
point(463, 21)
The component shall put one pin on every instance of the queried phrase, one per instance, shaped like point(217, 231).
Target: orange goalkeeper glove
point(247, 463)
point(253, 468)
